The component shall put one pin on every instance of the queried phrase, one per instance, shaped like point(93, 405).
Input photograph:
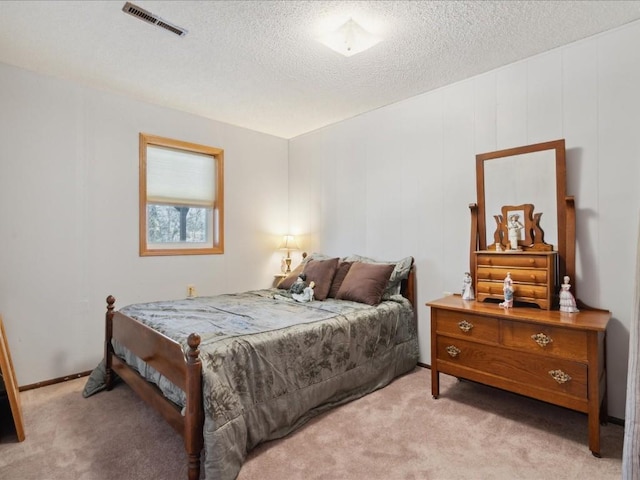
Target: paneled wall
point(69, 216)
point(398, 181)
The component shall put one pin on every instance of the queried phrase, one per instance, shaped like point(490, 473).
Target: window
point(181, 197)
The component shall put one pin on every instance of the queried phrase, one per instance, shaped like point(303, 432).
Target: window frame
point(146, 140)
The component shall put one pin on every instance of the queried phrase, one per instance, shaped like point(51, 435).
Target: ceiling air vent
point(149, 17)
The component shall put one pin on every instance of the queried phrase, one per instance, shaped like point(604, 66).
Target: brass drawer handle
point(559, 376)
point(465, 326)
point(541, 339)
point(453, 351)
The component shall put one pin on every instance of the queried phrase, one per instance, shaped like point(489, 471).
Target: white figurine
point(508, 292)
point(498, 247)
point(514, 227)
point(306, 295)
point(467, 287)
point(567, 300)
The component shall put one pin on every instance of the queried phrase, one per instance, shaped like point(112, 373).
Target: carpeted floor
point(399, 432)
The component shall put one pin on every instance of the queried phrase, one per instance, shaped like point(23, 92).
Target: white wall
point(69, 216)
point(398, 181)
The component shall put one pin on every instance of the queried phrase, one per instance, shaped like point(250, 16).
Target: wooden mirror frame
point(565, 206)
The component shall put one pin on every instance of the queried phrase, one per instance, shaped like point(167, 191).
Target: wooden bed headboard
point(408, 288)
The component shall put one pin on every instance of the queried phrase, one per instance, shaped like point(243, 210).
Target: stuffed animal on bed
point(299, 291)
point(299, 285)
point(306, 295)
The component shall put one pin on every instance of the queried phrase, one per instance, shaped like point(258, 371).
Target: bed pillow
point(400, 271)
point(365, 282)
point(338, 278)
point(321, 272)
point(287, 281)
point(317, 256)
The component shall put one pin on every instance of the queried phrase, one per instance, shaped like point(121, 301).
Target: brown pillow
point(365, 283)
point(287, 281)
point(321, 272)
point(338, 278)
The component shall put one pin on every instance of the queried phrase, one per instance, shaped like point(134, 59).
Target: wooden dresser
point(548, 355)
point(533, 274)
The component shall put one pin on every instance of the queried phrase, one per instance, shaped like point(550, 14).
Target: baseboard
point(614, 420)
point(54, 381)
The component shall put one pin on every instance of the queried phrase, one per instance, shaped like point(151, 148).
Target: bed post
point(408, 287)
point(108, 348)
point(194, 417)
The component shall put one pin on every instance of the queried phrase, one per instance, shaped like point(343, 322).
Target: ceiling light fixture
point(350, 39)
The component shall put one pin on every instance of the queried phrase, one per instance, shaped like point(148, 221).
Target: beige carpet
point(399, 432)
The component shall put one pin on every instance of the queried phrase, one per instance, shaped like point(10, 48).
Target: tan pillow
point(365, 282)
point(287, 281)
point(321, 272)
point(338, 278)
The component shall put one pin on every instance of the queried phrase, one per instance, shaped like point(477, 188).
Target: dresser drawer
point(559, 342)
point(490, 288)
point(466, 325)
point(512, 260)
point(519, 290)
point(523, 276)
point(533, 371)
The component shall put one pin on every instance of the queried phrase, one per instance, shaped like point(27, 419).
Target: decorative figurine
point(508, 292)
point(498, 247)
point(567, 300)
point(514, 227)
point(467, 287)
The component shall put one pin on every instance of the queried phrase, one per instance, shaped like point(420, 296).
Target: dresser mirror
point(530, 181)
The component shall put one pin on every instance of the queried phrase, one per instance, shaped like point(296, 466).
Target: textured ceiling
point(257, 64)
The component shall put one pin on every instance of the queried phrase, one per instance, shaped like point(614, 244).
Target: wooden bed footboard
point(167, 357)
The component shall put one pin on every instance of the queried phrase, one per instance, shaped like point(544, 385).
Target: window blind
point(176, 177)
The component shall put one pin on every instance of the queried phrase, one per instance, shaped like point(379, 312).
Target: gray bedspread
point(270, 364)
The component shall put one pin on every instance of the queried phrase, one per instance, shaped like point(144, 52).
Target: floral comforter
point(270, 364)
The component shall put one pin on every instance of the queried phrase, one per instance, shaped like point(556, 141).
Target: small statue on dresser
point(567, 300)
point(467, 287)
point(508, 292)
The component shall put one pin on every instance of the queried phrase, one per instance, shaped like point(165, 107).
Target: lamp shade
point(288, 243)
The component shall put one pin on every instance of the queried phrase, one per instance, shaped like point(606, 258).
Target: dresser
point(533, 274)
point(548, 355)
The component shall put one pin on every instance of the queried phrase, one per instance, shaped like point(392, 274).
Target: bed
point(232, 371)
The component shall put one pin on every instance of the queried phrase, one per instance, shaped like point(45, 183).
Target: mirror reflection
point(522, 179)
